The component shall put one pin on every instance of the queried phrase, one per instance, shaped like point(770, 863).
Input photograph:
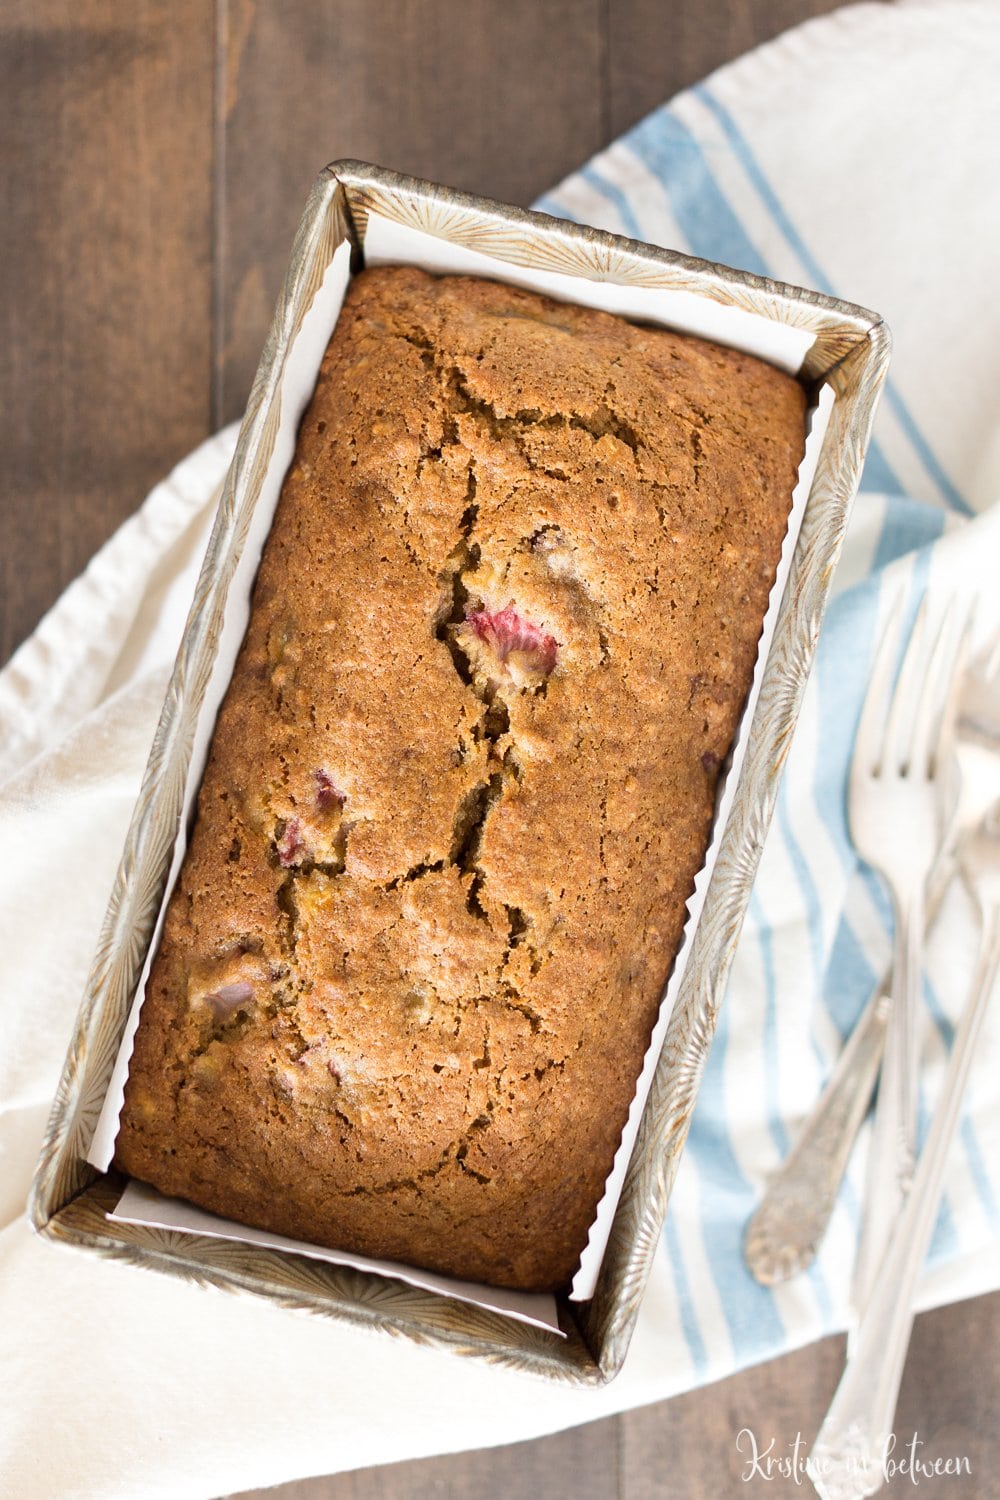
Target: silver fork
point(785, 1231)
point(897, 817)
point(845, 1463)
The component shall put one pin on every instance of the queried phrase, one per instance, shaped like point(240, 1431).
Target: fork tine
point(868, 738)
point(944, 742)
point(899, 725)
point(930, 722)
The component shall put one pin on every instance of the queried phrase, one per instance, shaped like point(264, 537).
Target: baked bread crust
point(463, 777)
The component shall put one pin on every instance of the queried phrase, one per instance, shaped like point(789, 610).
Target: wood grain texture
point(105, 239)
point(502, 99)
point(583, 1463)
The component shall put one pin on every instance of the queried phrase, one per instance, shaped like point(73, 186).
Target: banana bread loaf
point(463, 777)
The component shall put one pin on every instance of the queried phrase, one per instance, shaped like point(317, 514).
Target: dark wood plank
point(502, 99)
point(655, 50)
point(686, 1449)
point(105, 298)
point(582, 1463)
point(950, 1397)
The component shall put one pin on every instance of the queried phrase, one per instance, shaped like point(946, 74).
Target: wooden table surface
point(156, 156)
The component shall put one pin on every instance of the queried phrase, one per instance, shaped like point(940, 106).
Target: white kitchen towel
point(854, 154)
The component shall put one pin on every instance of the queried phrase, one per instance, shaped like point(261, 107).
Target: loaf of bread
point(463, 777)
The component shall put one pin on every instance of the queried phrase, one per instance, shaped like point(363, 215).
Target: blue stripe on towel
point(685, 1302)
point(665, 145)
point(978, 1169)
point(548, 203)
point(924, 452)
point(878, 474)
point(807, 885)
point(849, 982)
point(762, 933)
point(944, 1240)
point(909, 526)
point(850, 979)
point(942, 1021)
point(782, 220)
point(613, 194)
point(810, 897)
point(607, 189)
point(727, 1200)
point(850, 618)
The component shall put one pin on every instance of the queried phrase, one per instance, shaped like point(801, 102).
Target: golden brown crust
point(463, 777)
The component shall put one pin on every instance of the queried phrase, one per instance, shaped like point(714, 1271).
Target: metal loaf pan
point(850, 351)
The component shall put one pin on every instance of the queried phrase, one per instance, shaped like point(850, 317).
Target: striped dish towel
point(851, 155)
point(866, 196)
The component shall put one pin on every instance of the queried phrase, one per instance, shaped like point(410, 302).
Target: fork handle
point(783, 1235)
point(893, 1143)
point(846, 1460)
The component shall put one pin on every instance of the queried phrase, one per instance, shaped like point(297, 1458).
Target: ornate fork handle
point(783, 1235)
